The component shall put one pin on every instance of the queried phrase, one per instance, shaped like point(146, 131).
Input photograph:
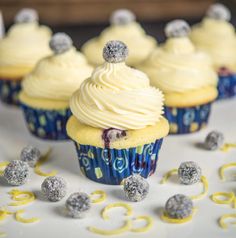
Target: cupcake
point(25, 43)
point(122, 27)
point(187, 78)
point(117, 123)
point(216, 36)
point(47, 89)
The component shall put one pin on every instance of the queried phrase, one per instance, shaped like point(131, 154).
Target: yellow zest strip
point(126, 227)
point(3, 215)
point(42, 160)
point(24, 220)
point(205, 189)
point(223, 168)
point(2, 234)
point(3, 165)
point(165, 217)
point(229, 196)
point(227, 146)
point(222, 220)
point(149, 224)
point(128, 208)
point(27, 198)
point(101, 198)
point(168, 175)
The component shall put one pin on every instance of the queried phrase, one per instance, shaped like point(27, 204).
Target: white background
point(175, 149)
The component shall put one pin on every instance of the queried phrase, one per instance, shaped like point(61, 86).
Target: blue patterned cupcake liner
point(226, 86)
point(9, 91)
point(47, 124)
point(111, 166)
point(188, 119)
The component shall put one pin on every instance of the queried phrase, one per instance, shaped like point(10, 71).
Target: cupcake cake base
point(9, 91)
point(188, 119)
point(47, 124)
point(111, 166)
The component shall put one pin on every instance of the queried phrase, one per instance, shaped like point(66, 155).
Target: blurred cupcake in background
point(25, 43)
point(46, 90)
point(117, 123)
point(216, 36)
point(123, 27)
point(186, 77)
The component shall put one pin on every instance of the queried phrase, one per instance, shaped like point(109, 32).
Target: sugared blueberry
point(179, 206)
point(214, 140)
point(54, 188)
point(16, 173)
point(78, 204)
point(30, 155)
point(189, 172)
point(60, 43)
point(136, 188)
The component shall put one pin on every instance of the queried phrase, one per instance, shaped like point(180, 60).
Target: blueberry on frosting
point(26, 15)
point(60, 43)
point(115, 51)
point(177, 28)
point(179, 206)
point(189, 172)
point(218, 11)
point(122, 17)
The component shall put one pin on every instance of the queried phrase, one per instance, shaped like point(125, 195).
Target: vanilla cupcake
point(216, 36)
point(46, 90)
point(122, 27)
point(187, 78)
point(25, 43)
point(117, 123)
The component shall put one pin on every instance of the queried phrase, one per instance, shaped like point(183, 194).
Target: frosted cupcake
point(117, 123)
point(124, 28)
point(186, 77)
point(25, 43)
point(216, 36)
point(46, 90)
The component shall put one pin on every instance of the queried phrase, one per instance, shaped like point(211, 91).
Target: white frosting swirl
point(58, 76)
point(178, 67)
point(24, 45)
point(117, 96)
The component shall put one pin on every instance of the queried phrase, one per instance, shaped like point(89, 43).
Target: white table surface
point(175, 149)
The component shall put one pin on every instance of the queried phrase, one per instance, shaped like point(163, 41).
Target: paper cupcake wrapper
point(111, 166)
point(226, 86)
point(9, 91)
point(47, 124)
point(188, 119)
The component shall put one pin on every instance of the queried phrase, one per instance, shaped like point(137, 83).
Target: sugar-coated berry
point(60, 43)
point(214, 140)
point(78, 204)
point(177, 28)
point(30, 155)
point(179, 206)
point(189, 172)
point(16, 173)
point(136, 188)
point(26, 15)
point(218, 11)
point(122, 17)
point(115, 51)
point(54, 188)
